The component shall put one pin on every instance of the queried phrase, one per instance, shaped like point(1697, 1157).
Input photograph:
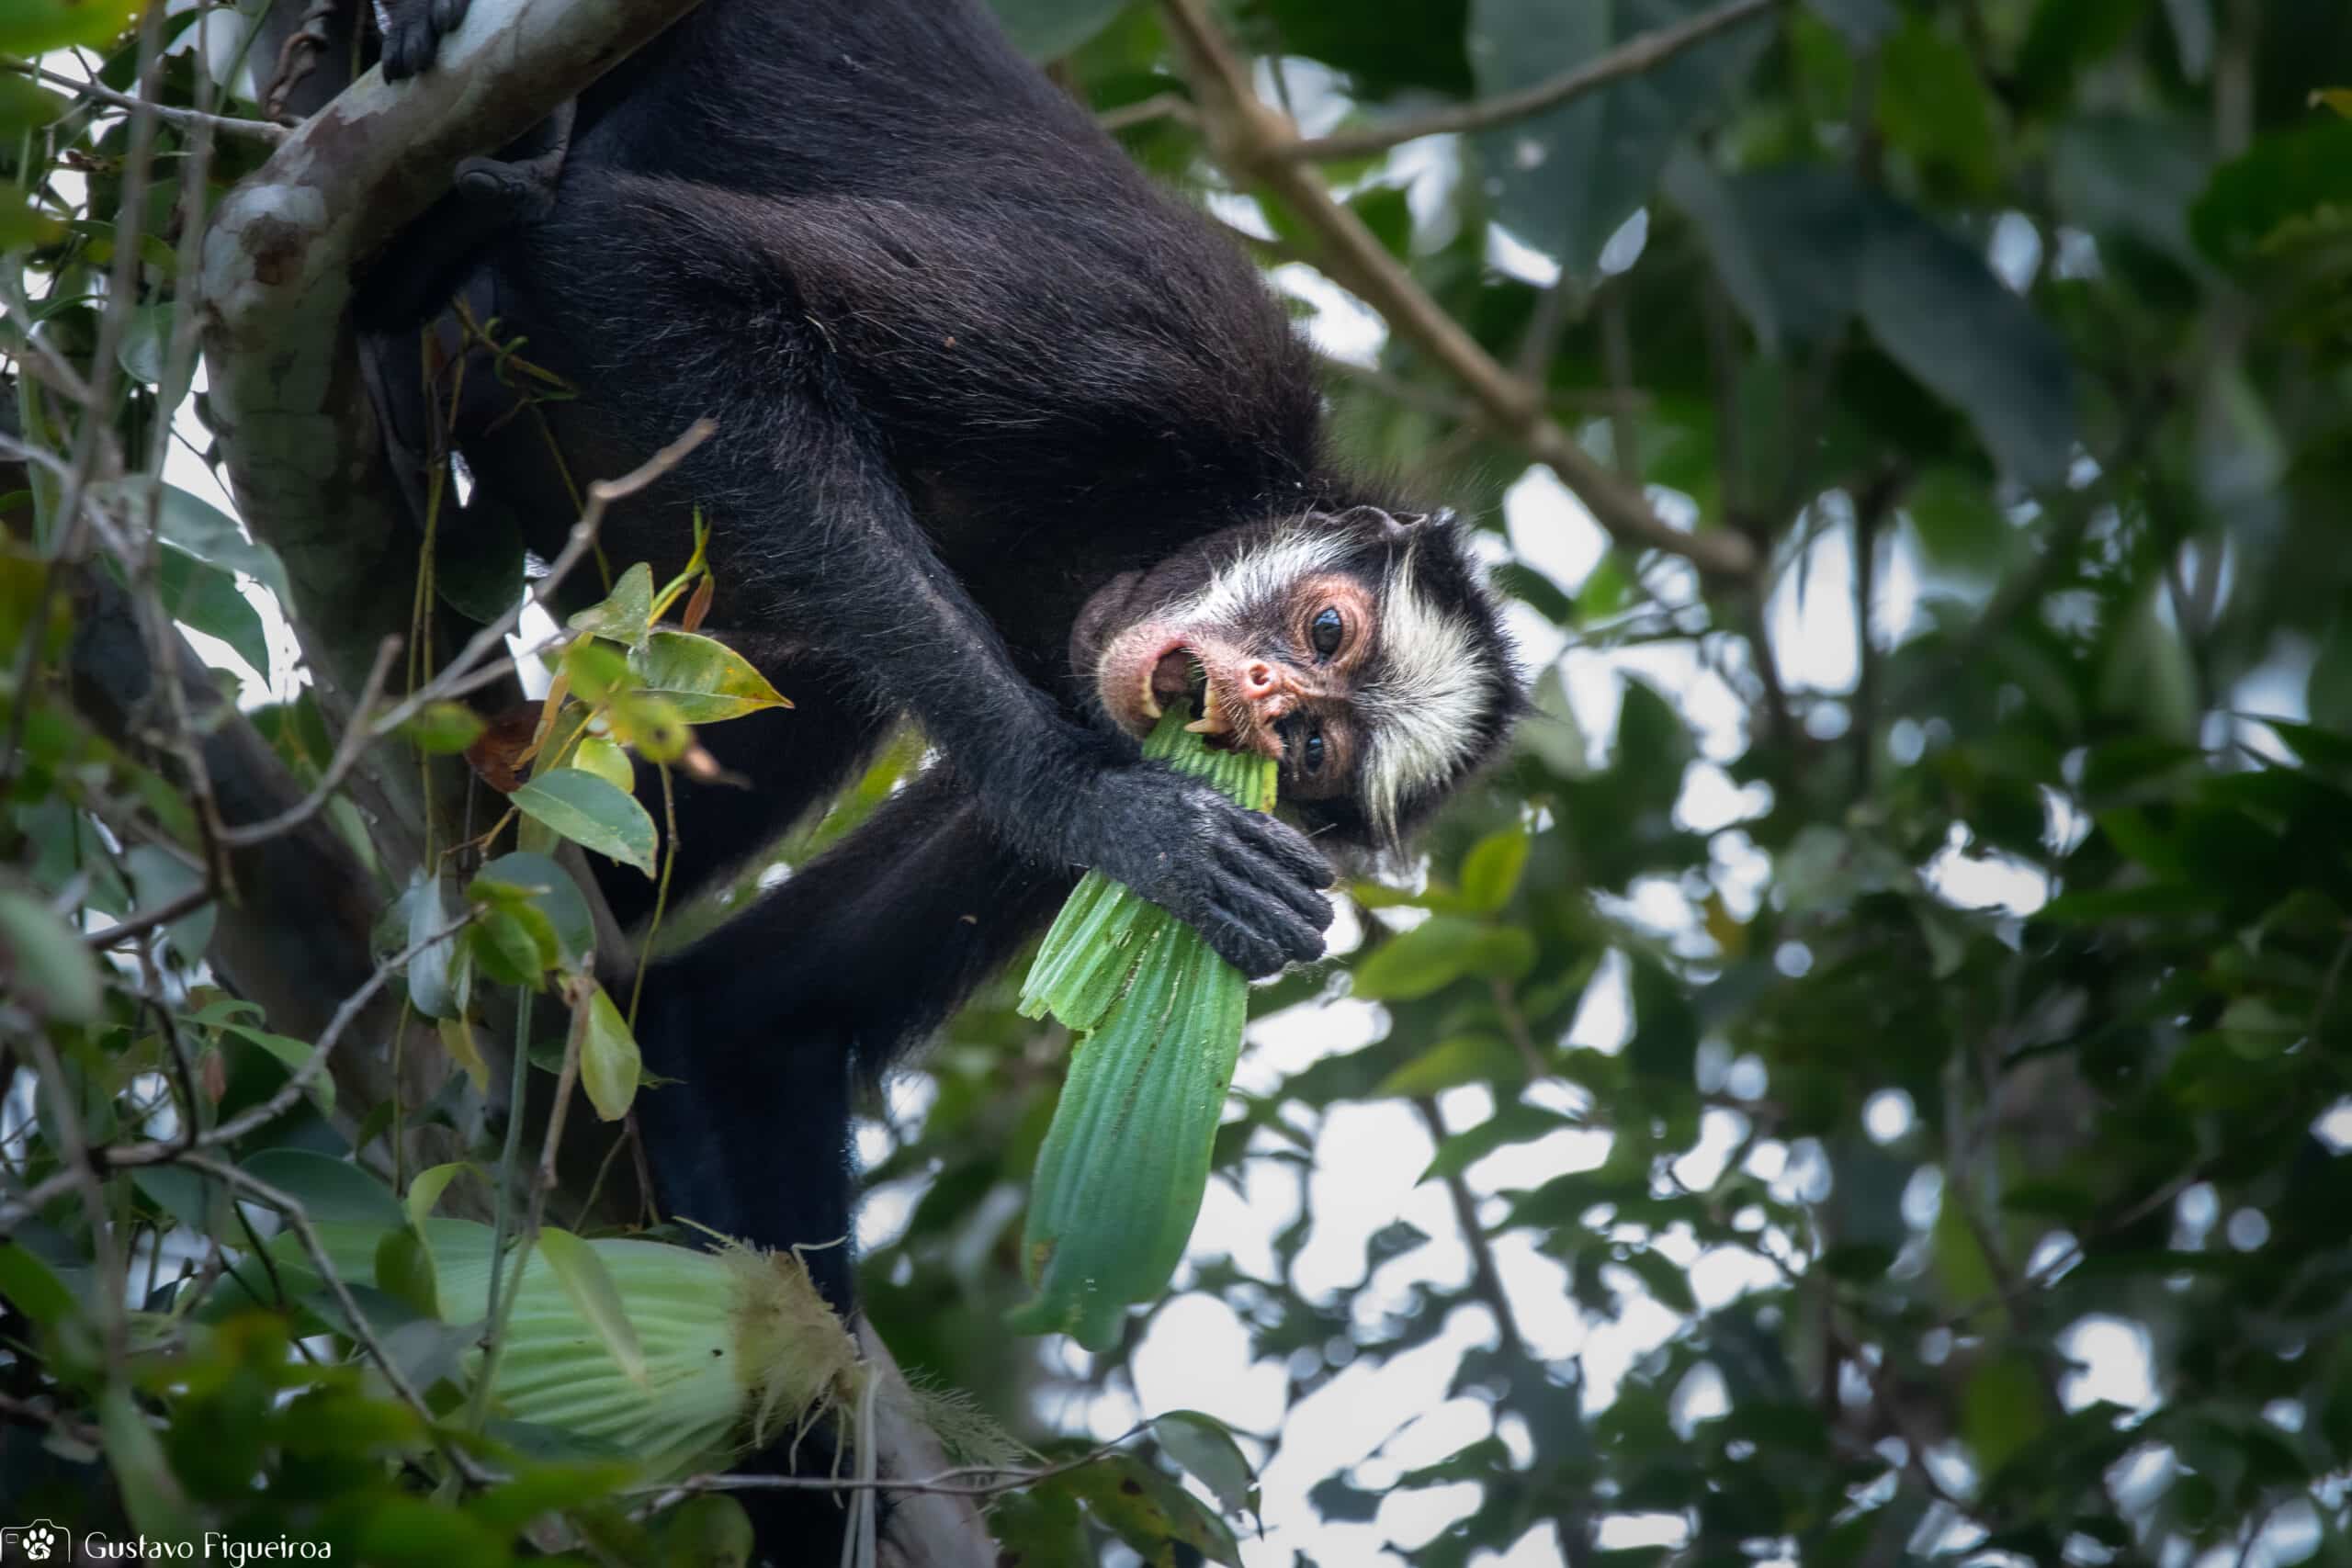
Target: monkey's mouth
point(1175, 676)
point(1142, 677)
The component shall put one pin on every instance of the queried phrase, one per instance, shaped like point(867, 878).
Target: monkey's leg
point(430, 258)
point(771, 1020)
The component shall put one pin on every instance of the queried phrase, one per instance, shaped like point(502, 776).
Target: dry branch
point(1256, 143)
point(305, 457)
point(1644, 51)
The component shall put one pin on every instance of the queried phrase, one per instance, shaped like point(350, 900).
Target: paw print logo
point(40, 1542)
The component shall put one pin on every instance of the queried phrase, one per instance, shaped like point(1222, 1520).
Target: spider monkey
point(1009, 443)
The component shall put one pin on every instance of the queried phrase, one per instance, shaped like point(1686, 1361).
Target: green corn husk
point(737, 1345)
point(1123, 1169)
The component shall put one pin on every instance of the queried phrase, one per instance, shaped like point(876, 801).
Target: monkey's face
point(1354, 649)
point(1278, 677)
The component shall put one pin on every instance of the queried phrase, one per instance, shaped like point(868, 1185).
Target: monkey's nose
point(1258, 681)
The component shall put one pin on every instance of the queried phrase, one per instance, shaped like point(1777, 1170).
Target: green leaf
point(2002, 1408)
point(2285, 175)
point(424, 1189)
point(625, 612)
point(152, 1494)
point(2129, 174)
point(146, 342)
point(440, 977)
point(32, 1287)
point(404, 1271)
point(1863, 22)
point(291, 1053)
point(589, 1284)
point(1205, 1449)
point(44, 963)
point(550, 890)
point(591, 813)
point(443, 728)
point(1384, 45)
point(1438, 951)
point(1490, 871)
point(608, 761)
point(1938, 310)
point(1048, 29)
point(204, 531)
point(1959, 526)
point(702, 678)
point(207, 598)
point(26, 105)
point(610, 1068)
point(514, 946)
point(1932, 105)
point(158, 877)
point(29, 28)
point(2327, 691)
point(710, 1531)
point(1788, 243)
point(1466, 1058)
point(330, 1191)
point(1512, 1123)
point(1149, 1512)
point(1564, 180)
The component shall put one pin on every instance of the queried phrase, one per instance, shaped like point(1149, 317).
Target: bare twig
point(1159, 105)
point(1256, 143)
point(1484, 1277)
point(491, 637)
point(347, 750)
point(959, 1480)
point(161, 1151)
point(298, 1220)
point(1642, 52)
point(230, 125)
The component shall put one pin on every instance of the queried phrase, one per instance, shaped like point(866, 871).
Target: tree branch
point(1644, 51)
point(1256, 143)
point(305, 457)
point(227, 125)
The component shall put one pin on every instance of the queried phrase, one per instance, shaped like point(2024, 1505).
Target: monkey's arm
point(1051, 788)
point(686, 298)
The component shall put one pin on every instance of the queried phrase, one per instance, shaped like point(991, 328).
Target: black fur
point(967, 367)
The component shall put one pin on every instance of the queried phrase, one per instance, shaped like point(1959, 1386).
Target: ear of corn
point(738, 1346)
point(1160, 1016)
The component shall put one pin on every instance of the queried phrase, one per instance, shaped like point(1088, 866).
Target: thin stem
point(1642, 52)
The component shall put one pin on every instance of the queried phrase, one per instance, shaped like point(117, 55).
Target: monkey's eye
point(1326, 630)
point(1310, 755)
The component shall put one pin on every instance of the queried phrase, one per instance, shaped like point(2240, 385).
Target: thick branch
point(1255, 141)
point(1642, 52)
point(304, 454)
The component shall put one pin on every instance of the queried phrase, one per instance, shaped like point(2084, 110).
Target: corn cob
point(1159, 1016)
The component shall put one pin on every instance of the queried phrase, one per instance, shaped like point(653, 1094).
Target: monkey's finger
point(1294, 857)
point(448, 15)
point(1299, 898)
point(1270, 922)
point(1245, 949)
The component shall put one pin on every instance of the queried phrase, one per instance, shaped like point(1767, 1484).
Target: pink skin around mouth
point(1149, 666)
point(1144, 668)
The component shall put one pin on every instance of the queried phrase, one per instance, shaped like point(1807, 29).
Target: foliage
point(1882, 981)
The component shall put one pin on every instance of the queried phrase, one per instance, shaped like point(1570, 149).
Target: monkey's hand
point(1251, 886)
